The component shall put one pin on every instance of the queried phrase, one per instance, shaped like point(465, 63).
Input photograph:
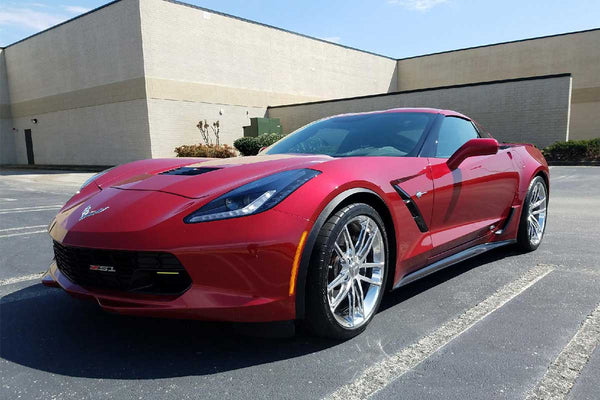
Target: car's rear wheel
point(533, 217)
point(348, 271)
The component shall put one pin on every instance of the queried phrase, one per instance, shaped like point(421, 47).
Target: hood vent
point(188, 171)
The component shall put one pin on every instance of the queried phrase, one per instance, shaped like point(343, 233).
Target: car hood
point(215, 176)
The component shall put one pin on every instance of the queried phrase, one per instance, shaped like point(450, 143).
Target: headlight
point(253, 197)
point(93, 178)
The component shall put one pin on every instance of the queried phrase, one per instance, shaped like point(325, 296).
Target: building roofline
point(528, 78)
point(303, 35)
point(499, 43)
point(181, 3)
point(62, 23)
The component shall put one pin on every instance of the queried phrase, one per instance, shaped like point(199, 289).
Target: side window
point(454, 132)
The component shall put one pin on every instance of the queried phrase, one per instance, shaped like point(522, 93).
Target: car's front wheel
point(348, 271)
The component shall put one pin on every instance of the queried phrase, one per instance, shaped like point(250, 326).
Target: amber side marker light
point(167, 273)
point(296, 263)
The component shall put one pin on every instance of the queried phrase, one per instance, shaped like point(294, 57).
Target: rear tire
point(347, 273)
point(533, 216)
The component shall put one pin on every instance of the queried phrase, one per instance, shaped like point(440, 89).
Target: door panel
point(29, 147)
point(471, 199)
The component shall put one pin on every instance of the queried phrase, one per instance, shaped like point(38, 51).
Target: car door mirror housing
point(474, 147)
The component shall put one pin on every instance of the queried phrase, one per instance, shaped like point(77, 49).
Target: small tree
point(205, 129)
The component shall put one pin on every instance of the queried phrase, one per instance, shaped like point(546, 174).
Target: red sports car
point(316, 228)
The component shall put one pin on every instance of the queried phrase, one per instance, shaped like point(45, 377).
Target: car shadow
point(412, 289)
point(45, 329)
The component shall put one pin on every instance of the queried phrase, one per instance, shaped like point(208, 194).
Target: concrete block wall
point(173, 123)
point(83, 81)
point(228, 69)
point(107, 134)
point(203, 48)
point(131, 80)
point(7, 138)
point(534, 110)
point(575, 53)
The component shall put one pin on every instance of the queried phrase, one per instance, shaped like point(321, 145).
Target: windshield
point(394, 134)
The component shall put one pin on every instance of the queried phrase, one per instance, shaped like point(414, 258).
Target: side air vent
point(413, 209)
point(188, 171)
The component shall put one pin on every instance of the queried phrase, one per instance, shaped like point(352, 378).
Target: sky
point(395, 28)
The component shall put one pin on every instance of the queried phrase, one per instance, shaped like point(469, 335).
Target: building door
point(29, 145)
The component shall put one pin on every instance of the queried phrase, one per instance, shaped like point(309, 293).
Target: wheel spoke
point(361, 299)
point(372, 265)
point(534, 195)
point(362, 235)
point(351, 305)
point(537, 203)
point(536, 226)
point(348, 239)
point(366, 249)
point(341, 278)
point(376, 282)
point(334, 303)
point(343, 257)
point(536, 212)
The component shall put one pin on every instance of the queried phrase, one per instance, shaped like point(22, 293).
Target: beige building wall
point(131, 80)
point(7, 138)
point(83, 82)
point(225, 68)
point(532, 110)
point(576, 53)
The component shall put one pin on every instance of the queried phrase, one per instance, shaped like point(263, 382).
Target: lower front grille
point(131, 271)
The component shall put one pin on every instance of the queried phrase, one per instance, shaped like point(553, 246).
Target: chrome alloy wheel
point(355, 272)
point(536, 218)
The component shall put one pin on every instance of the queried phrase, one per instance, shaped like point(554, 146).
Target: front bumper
point(195, 303)
point(241, 269)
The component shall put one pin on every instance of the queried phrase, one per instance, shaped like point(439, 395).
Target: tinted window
point(379, 134)
point(454, 132)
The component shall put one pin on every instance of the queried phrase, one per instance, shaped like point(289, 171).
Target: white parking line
point(22, 234)
point(18, 279)
point(564, 371)
point(379, 375)
point(28, 209)
point(21, 228)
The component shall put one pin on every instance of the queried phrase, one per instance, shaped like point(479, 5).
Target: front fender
point(311, 239)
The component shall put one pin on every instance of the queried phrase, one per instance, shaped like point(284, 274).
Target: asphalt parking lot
point(500, 326)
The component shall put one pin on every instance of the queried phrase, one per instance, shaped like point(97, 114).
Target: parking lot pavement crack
point(379, 375)
point(561, 375)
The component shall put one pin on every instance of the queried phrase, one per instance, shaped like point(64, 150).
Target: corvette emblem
point(87, 213)
point(103, 268)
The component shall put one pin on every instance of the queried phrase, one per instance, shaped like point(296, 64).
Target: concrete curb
point(75, 168)
point(575, 163)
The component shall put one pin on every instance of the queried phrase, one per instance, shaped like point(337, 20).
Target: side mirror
point(474, 147)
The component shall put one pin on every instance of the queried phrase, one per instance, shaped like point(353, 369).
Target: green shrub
point(250, 146)
point(202, 150)
point(573, 150)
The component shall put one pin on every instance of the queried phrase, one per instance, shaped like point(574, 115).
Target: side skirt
point(451, 260)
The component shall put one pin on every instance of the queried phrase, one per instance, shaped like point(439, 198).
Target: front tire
point(347, 273)
point(533, 216)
